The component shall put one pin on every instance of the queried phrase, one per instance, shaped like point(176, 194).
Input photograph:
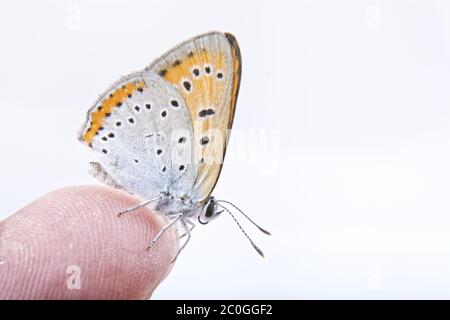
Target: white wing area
point(144, 139)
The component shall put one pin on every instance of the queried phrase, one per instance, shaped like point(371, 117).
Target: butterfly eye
point(209, 211)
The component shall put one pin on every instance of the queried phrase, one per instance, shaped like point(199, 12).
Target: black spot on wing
point(187, 85)
point(205, 112)
point(196, 72)
point(204, 140)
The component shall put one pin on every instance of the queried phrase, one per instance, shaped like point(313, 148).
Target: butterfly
point(161, 133)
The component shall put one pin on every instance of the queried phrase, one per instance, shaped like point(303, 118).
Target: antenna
point(248, 218)
point(243, 231)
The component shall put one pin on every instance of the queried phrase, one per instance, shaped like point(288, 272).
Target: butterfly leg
point(188, 230)
point(138, 206)
point(161, 232)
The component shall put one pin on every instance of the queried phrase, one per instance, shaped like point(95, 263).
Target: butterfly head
point(210, 211)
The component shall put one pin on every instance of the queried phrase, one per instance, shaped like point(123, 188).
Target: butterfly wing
point(142, 130)
point(206, 72)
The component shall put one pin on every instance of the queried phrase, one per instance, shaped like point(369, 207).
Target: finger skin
point(70, 244)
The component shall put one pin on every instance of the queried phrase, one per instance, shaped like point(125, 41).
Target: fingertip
point(79, 226)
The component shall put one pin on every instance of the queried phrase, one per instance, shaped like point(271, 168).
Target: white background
point(355, 95)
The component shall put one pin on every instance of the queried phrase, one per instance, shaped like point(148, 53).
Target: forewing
point(206, 72)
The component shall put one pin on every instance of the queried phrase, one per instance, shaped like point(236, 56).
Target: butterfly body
point(170, 204)
point(161, 133)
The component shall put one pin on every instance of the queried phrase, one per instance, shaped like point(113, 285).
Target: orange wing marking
point(114, 100)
